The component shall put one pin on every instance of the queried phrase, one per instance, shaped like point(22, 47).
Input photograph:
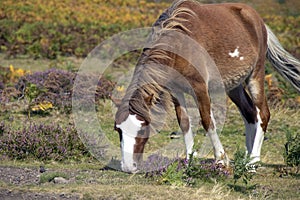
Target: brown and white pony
point(238, 41)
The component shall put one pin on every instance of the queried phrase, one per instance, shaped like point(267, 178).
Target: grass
point(48, 177)
point(33, 65)
point(268, 182)
point(271, 181)
point(112, 185)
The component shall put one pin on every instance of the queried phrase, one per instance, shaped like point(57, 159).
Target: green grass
point(33, 65)
point(270, 184)
point(48, 177)
point(271, 181)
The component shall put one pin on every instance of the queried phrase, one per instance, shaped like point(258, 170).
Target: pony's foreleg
point(184, 123)
point(185, 126)
point(209, 124)
point(219, 151)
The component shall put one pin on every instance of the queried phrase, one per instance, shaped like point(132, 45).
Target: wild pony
point(238, 41)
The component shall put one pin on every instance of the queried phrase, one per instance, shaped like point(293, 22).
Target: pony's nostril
point(134, 165)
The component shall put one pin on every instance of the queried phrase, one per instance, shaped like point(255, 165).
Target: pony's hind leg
point(252, 116)
point(247, 109)
point(256, 89)
point(185, 125)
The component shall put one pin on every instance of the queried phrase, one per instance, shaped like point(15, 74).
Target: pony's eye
point(141, 133)
point(157, 101)
point(120, 133)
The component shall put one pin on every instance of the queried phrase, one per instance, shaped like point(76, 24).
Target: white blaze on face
point(130, 128)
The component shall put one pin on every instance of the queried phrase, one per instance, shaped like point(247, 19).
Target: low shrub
point(53, 87)
point(242, 167)
point(41, 142)
point(190, 172)
point(292, 150)
point(205, 170)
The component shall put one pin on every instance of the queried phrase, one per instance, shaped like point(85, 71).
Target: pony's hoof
point(224, 160)
point(252, 168)
point(224, 163)
point(253, 165)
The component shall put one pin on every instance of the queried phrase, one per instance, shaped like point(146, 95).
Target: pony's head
point(132, 124)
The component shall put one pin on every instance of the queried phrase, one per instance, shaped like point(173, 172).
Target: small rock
point(42, 169)
point(62, 195)
point(60, 180)
point(175, 135)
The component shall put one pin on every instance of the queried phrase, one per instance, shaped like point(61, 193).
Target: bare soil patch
point(17, 176)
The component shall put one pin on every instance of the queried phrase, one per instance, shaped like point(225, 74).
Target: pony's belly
point(234, 70)
point(233, 80)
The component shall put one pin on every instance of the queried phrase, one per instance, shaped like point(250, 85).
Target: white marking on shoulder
point(131, 125)
point(236, 53)
point(242, 58)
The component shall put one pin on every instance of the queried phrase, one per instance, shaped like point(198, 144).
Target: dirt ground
point(15, 177)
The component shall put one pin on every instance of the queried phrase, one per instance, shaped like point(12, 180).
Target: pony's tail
point(287, 65)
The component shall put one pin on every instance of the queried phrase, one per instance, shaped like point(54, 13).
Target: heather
point(185, 172)
point(41, 142)
point(53, 86)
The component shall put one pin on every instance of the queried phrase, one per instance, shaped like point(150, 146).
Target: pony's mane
point(170, 20)
point(150, 74)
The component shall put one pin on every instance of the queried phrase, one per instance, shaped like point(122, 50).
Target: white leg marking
point(217, 145)
point(188, 136)
point(258, 140)
point(130, 128)
point(254, 138)
point(189, 142)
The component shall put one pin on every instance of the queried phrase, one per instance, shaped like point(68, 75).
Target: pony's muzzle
point(131, 168)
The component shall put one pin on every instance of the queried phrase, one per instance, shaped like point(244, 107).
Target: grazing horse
point(238, 41)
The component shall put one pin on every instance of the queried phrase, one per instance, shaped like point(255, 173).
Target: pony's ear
point(117, 102)
point(149, 99)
